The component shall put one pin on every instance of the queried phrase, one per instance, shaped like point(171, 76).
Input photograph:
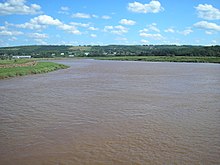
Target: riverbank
point(195, 59)
point(13, 68)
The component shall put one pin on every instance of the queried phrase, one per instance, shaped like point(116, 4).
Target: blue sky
point(104, 22)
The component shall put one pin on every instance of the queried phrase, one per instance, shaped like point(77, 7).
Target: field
point(195, 59)
point(12, 68)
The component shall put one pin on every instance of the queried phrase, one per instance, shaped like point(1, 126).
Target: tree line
point(42, 51)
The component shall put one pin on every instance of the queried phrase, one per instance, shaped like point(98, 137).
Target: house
point(18, 57)
point(87, 53)
point(62, 54)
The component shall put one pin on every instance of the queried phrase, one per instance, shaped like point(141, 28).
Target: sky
point(105, 22)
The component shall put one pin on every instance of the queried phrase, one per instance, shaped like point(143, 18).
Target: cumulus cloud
point(38, 35)
point(143, 41)
point(153, 7)
point(127, 22)
point(153, 27)
point(156, 36)
point(43, 21)
point(46, 20)
point(93, 28)
point(18, 7)
point(186, 32)
point(150, 28)
point(208, 12)
point(10, 33)
point(81, 15)
point(80, 24)
point(169, 30)
point(207, 26)
point(119, 30)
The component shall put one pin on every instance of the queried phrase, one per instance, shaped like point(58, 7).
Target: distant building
point(87, 53)
point(18, 57)
point(62, 54)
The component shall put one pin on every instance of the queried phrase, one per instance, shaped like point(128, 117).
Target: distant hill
point(40, 51)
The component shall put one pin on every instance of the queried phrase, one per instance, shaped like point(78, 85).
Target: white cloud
point(93, 35)
point(119, 30)
point(156, 36)
point(64, 10)
point(106, 17)
point(107, 28)
point(43, 21)
point(186, 32)
point(127, 22)
point(80, 24)
point(153, 7)
point(207, 26)
point(38, 35)
point(144, 41)
point(144, 30)
point(46, 20)
point(81, 15)
point(18, 7)
point(153, 27)
point(208, 12)
point(69, 28)
point(210, 32)
point(95, 16)
point(10, 33)
point(93, 28)
point(169, 30)
point(2, 28)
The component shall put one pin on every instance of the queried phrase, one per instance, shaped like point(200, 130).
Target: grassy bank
point(195, 59)
point(39, 67)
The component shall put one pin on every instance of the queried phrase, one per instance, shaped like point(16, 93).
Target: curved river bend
point(112, 112)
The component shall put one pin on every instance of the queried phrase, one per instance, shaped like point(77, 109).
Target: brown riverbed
point(111, 112)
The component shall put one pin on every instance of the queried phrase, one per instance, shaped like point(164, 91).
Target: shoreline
point(183, 59)
point(15, 70)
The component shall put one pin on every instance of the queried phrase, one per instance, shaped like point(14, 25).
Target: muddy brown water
point(112, 112)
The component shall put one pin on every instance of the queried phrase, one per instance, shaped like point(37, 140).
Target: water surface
point(111, 112)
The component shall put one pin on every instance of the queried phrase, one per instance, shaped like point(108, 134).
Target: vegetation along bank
point(21, 67)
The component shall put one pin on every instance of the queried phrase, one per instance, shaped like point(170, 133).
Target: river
point(112, 112)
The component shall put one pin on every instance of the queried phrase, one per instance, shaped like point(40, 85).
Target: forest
point(50, 51)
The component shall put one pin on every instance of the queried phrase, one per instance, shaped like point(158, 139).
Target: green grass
point(40, 67)
point(195, 59)
point(15, 61)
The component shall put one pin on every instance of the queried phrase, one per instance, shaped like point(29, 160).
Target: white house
point(87, 53)
point(18, 57)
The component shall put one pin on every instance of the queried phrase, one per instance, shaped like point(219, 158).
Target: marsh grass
point(40, 67)
point(195, 59)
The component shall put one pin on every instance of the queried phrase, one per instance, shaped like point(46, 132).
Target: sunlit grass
point(40, 67)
